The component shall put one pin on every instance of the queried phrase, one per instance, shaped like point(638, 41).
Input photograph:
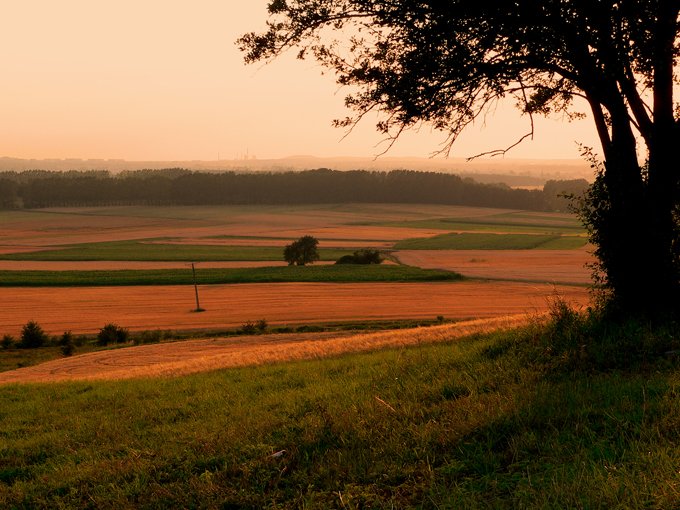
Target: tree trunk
point(637, 232)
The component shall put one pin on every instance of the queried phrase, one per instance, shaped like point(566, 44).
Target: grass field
point(498, 421)
point(325, 273)
point(156, 251)
point(483, 241)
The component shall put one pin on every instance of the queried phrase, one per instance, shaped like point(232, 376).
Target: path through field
point(180, 358)
point(87, 309)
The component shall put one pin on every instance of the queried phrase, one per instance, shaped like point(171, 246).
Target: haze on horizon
point(164, 80)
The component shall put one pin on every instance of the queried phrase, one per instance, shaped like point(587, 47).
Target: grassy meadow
point(569, 415)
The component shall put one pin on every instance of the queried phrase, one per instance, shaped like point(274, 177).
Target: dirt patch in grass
point(564, 266)
point(87, 309)
point(180, 358)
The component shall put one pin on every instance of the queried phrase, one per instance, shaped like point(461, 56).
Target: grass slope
point(279, 274)
point(492, 422)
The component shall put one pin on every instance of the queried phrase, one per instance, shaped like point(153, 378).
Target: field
point(79, 252)
point(494, 407)
point(87, 309)
point(190, 356)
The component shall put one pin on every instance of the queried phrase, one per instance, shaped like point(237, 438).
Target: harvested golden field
point(180, 358)
point(87, 309)
point(562, 266)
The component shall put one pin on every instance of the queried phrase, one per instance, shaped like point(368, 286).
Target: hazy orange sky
point(163, 80)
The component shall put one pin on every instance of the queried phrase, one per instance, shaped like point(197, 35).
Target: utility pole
point(198, 306)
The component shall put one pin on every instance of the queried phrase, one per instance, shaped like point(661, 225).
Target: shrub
point(32, 336)
point(248, 328)
point(7, 341)
point(112, 334)
point(65, 339)
point(261, 325)
point(361, 257)
point(149, 337)
point(592, 341)
point(67, 343)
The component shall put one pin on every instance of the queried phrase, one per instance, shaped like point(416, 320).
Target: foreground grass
point(498, 421)
point(156, 251)
point(345, 273)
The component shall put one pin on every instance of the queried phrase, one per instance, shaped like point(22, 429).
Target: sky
point(164, 80)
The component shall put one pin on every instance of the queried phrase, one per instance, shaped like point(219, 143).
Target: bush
point(112, 334)
point(149, 337)
point(7, 341)
point(67, 343)
point(261, 325)
point(32, 336)
point(65, 339)
point(68, 349)
point(248, 328)
point(592, 341)
point(362, 257)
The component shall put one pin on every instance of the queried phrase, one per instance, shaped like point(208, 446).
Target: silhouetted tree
point(301, 252)
point(32, 335)
point(447, 63)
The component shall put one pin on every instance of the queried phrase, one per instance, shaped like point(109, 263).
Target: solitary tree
point(301, 252)
point(447, 62)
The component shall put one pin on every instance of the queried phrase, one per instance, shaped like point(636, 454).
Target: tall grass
point(497, 421)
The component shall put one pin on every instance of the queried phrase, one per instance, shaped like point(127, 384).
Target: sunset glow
point(164, 80)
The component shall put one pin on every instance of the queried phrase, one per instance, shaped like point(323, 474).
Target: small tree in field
point(301, 252)
point(32, 336)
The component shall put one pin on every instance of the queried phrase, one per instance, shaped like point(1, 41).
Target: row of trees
point(34, 189)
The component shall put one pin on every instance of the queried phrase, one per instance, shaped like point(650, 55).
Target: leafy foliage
point(32, 336)
point(7, 341)
point(448, 64)
point(301, 252)
point(112, 334)
point(366, 256)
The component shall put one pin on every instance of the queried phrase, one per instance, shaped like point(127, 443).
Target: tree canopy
point(446, 63)
point(301, 252)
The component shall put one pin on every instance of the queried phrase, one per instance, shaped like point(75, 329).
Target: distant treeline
point(176, 186)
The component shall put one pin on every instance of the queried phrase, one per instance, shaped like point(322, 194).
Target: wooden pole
point(198, 306)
